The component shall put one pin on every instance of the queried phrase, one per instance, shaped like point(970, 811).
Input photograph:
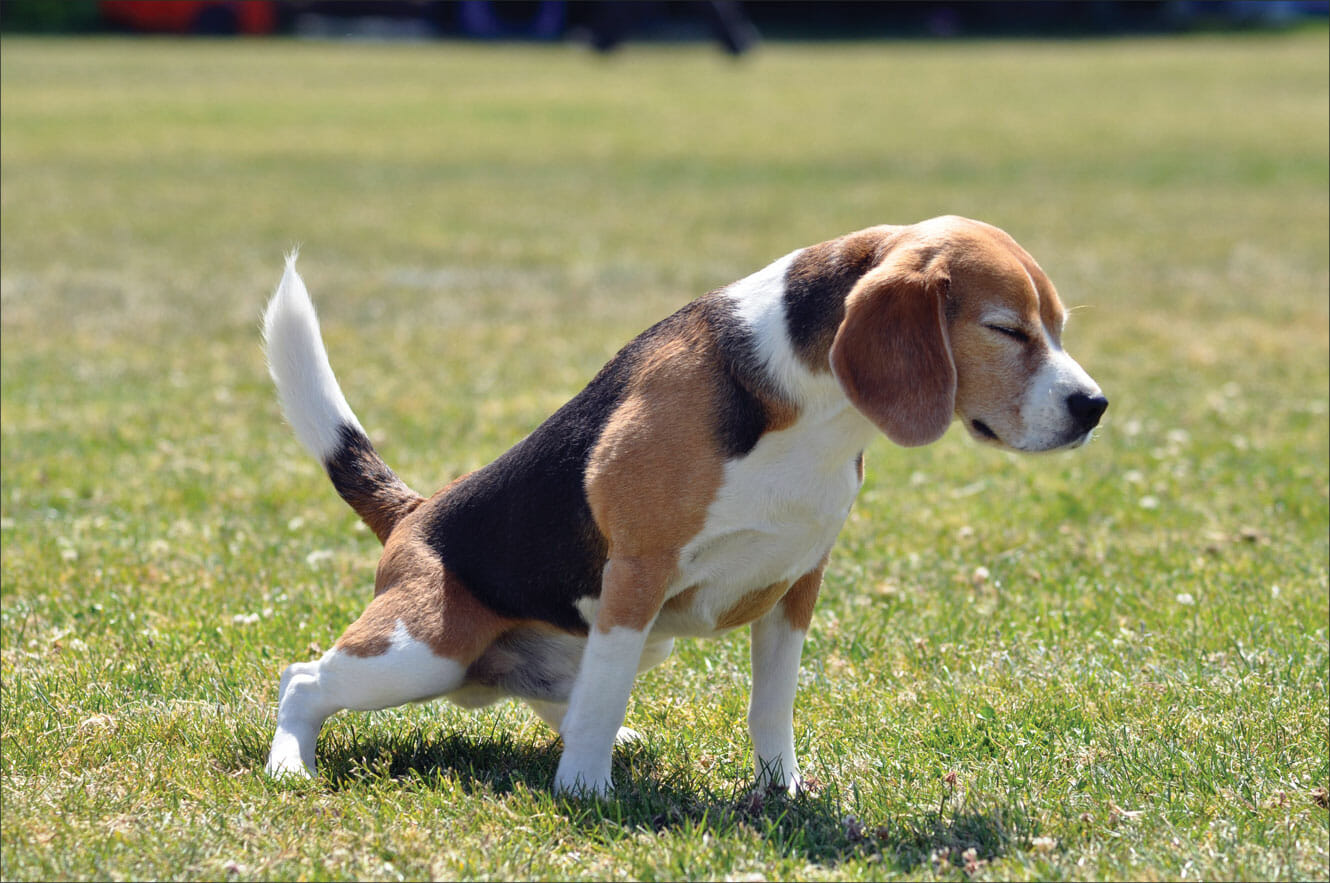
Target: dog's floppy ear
point(892, 355)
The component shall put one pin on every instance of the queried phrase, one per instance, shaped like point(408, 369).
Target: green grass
point(1119, 652)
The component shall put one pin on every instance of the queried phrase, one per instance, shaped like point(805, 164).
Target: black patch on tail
point(373, 490)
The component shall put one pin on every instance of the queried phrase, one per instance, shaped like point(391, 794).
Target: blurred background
point(606, 25)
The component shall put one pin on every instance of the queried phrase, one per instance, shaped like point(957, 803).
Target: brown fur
point(682, 601)
point(751, 606)
point(892, 355)
point(633, 591)
point(988, 269)
point(413, 588)
point(780, 413)
point(910, 349)
point(797, 605)
point(495, 573)
point(651, 478)
point(370, 488)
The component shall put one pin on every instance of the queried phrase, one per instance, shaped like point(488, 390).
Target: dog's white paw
point(627, 736)
point(588, 778)
point(579, 786)
point(772, 777)
point(287, 768)
point(285, 760)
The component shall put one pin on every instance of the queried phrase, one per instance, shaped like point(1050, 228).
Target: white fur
point(759, 300)
point(1047, 422)
point(596, 709)
point(310, 692)
point(777, 512)
point(311, 399)
point(776, 649)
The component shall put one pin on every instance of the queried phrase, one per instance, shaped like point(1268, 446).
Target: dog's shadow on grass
point(655, 795)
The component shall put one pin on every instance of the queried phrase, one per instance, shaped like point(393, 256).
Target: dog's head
point(956, 319)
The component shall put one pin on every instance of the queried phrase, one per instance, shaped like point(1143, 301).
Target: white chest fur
point(776, 514)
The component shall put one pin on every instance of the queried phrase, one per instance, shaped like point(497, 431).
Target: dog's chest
point(776, 515)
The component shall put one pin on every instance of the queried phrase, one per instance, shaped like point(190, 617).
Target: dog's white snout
point(1062, 407)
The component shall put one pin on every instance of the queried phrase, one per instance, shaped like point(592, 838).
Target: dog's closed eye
point(1009, 331)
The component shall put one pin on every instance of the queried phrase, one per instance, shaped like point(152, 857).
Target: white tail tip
point(306, 386)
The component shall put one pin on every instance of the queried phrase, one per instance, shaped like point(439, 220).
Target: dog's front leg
point(778, 641)
point(631, 594)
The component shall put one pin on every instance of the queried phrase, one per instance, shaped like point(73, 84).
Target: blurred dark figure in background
point(484, 19)
point(610, 23)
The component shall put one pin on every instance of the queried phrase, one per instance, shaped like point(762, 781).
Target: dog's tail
point(315, 407)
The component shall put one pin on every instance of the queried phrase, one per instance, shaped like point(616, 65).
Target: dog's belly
point(532, 662)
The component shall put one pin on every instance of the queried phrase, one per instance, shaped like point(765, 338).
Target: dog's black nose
point(1086, 410)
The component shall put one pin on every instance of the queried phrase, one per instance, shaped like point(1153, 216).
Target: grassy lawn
point(1104, 664)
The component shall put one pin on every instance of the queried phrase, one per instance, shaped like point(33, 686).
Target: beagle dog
point(695, 485)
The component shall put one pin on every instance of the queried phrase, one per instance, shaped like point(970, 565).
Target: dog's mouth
point(985, 433)
point(981, 429)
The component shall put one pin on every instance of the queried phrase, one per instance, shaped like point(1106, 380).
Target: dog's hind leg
point(310, 692)
point(408, 646)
